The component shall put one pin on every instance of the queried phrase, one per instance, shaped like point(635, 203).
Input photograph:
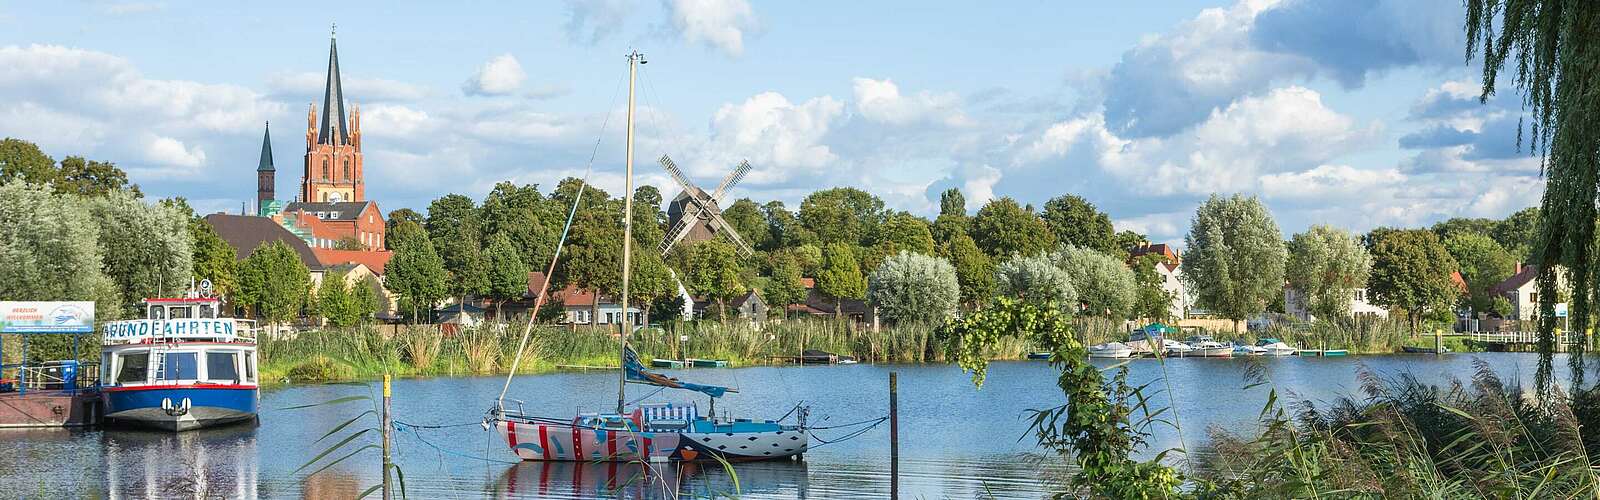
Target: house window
point(1361, 295)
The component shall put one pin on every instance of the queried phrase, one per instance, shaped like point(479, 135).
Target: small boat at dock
point(1038, 356)
point(1111, 350)
point(1206, 347)
point(1248, 350)
point(1423, 350)
point(707, 363)
point(1275, 347)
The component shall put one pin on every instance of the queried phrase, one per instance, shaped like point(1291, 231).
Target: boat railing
point(50, 376)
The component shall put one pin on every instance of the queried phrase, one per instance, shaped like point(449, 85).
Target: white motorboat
point(1248, 350)
point(1275, 347)
point(1206, 347)
point(1114, 350)
point(1175, 348)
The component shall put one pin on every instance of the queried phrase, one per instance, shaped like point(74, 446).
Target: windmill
point(695, 212)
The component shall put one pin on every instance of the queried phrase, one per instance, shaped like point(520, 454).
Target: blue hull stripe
point(239, 400)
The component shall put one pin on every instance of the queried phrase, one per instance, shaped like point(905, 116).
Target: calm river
point(956, 441)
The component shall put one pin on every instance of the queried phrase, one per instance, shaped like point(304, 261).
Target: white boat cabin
point(180, 342)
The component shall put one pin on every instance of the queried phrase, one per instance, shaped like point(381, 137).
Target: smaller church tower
point(266, 175)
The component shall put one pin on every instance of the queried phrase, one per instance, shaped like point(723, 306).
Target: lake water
point(956, 441)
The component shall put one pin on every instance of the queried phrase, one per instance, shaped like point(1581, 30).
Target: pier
point(1518, 341)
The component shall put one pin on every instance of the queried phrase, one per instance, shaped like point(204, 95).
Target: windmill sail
point(637, 373)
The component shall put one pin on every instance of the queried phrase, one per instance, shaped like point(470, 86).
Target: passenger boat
point(1206, 347)
point(1111, 350)
point(650, 432)
point(182, 367)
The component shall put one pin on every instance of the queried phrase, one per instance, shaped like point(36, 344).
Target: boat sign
point(140, 330)
point(47, 317)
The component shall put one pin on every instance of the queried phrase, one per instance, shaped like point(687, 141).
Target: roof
point(333, 101)
point(245, 234)
point(266, 151)
point(1162, 249)
point(536, 281)
point(375, 260)
point(327, 210)
point(808, 283)
point(571, 296)
point(1516, 281)
point(816, 303)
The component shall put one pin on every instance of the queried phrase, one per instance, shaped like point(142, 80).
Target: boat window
point(208, 310)
point(158, 312)
point(133, 366)
point(250, 367)
point(178, 312)
point(222, 366)
point(181, 366)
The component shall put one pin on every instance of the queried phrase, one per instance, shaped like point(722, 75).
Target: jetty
point(1518, 341)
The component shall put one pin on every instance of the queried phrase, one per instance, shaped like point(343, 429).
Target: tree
point(1003, 228)
point(785, 227)
point(1128, 240)
point(49, 249)
point(649, 282)
point(906, 232)
point(839, 276)
point(594, 255)
point(146, 249)
point(22, 160)
point(809, 257)
point(1151, 299)
point(914, 288)
point(974, 270)
point(786, 286)
point(1105, 285)
point(395, 218)
point(529, 220)
point(335, 303)
point(649, 222)
point(947, 227)
point(1449, 227)
point(952, 202)
point(349, 243)
point(366, 299)
point(1236, 257)
point(92, 178)
point(1518, 233)
point(507, 275)
point(842, 215)
point(1034, 278)
point(1411, 270)
point(415, 271)
point(453, 228)
point(1075, 221)
point(714, 273)
point(1326, 266)
point(746, 218)
point(1484, 264)
point(273, 282)
point(214, 259)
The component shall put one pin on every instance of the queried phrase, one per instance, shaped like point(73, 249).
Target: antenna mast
point(634, 60)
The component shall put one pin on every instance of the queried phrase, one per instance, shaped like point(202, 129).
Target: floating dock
point(667, 363)
point(33, 409)
point(707, 363)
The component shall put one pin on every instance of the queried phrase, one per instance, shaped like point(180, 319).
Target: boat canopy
point(1159, 329)
point(637, 373)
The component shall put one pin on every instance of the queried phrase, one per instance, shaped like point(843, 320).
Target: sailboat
point(652, 432)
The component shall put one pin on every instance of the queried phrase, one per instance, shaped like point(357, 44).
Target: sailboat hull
point(566, 443)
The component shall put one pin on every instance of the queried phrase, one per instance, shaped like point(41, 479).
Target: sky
point(1354, 113)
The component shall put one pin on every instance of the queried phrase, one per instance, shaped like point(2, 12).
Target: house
point(1359, 306)
point(1171, 276)
point(452, 318)
point(817, 304)
point(1522, 289)
point(324, 224)
point(579, 308)
point(749, 306)
point(246, 233)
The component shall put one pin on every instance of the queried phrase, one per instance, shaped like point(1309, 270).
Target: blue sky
point(1354, 113)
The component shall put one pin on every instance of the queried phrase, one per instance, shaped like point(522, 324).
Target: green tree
point(1152, 301)
point(214, 259)
point(786, 286)
point(1326, 266)
point(1003, 228)
point(349, 243)
point(273, 282)
point(49, 249)
point(906, 232)
point(785, 227)
point(839, 276)
point(1454, 225)
point(146, 249)
point(1518, 233)
point(92, 178)
point(952, 202)
point(843, 215)
point(415, 271)
point(649, 221)
point(1104, 284)
point(650, 282)
point(507, 274)
point(593, 258)
point(714, 273)
point(528, 219)
point(809, 257)
point(366, 299)
point(335, 303)
point(914, 288)
point(1484, 264)
point(974, 270)
point(1034, 278)
point(746, 218)
point(395, 218)
point(1128, 240)
point(1411, 270)
point(453, 228)
point(1236, 257)
point(22, 160)
point(947, 227)
point(1075, 221)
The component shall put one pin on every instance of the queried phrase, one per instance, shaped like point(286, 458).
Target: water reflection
point(210, 463)
point(787, 479)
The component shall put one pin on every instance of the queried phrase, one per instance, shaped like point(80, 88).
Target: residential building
point(1522, 290)
point(579, 308)
point(1171, 276)
point(323, 225)
point(817, 304)
point(363, 267)
point(246, 233)
point(749, 307)
point(1359, 305)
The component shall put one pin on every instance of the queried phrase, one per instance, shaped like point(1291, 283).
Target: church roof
point(266, 151)
point(333, 101)
point(327, 210)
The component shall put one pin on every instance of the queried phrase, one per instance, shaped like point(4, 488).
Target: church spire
point(266, 151)
point(333, 117)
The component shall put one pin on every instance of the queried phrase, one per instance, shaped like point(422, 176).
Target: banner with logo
point(47, 317)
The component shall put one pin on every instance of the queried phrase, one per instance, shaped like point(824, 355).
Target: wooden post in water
point(894, 436)
point(388, 491)
point(1438, 341)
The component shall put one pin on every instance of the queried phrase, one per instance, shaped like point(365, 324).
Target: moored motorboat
point(182, 367)
point(1248, 350)
point(1175, 348)
point(1275, 347)
point(1113, 350)
point(1206, 347)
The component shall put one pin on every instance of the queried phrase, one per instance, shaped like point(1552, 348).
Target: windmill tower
point(695, 215)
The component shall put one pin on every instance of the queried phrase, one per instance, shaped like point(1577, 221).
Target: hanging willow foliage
point(1554, 46)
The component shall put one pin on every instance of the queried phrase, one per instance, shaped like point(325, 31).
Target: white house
point(1359, 306)
point(1171, 276)
point(1522, 289)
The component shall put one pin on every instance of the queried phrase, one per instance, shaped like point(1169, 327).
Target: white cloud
point(393, 120)
point(589, 21)
point(770, 130)
point(1330, 183)
point(307, 86)
point(881, 101)
point(499, 76)
point(171, 157)
point(721, 24)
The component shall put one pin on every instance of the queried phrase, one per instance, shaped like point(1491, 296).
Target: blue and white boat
point(182, 367)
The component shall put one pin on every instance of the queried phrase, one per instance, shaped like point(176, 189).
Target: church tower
point(266, 173)
point(333, 145)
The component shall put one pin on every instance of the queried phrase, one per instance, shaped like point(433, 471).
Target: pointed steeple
point(333, 121)
point(266, 151)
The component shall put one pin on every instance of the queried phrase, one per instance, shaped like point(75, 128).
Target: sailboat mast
point(634, 60)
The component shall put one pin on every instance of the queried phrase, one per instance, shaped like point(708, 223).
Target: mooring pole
point(1438, 341)
point(894, 436)
point(388, 491)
